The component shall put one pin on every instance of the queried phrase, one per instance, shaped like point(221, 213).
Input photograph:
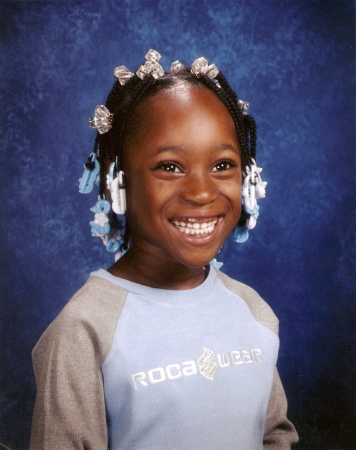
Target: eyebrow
point(179, 148)
point(171, 148)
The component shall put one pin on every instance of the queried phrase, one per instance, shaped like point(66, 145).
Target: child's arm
point(69, 410)
point(279, 431)
point(70, 407)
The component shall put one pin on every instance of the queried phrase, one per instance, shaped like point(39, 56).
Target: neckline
point(164, 295)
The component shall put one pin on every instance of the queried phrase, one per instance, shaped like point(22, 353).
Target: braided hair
point(123, 101)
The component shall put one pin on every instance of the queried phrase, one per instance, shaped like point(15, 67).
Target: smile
point(196, 227)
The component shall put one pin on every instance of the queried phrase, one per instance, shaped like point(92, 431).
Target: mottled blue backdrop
point(294, 62)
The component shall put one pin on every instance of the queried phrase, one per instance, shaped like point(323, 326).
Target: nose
point(199, 188)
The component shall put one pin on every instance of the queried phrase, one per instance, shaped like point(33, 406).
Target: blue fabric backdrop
point(294, 62)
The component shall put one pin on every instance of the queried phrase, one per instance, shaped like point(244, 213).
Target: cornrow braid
point(113, 98)
point(251, 127)
point(229, 101)
point(249, 124)
point(102, 141)
point(112, 103)
point(137, 96)
point(226, 86)
point(97, 149)
point(248, 121)
point(125, 245)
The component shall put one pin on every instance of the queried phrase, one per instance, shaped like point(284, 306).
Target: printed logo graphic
point(207, 367)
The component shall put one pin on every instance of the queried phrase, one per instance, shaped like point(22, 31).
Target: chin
point(196, 262)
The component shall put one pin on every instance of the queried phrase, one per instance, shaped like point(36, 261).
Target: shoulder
point(89, 319)
point(260, 310)
point(96, 296)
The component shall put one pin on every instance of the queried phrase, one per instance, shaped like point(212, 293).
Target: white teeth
point(191, 227)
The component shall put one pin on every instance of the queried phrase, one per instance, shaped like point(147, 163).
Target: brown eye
point(169, 167)
point(222, 165)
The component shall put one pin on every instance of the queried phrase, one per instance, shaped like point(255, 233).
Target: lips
point(196, 227)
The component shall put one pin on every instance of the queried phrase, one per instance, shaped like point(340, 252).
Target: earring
point(253, 188)
point(117, 188)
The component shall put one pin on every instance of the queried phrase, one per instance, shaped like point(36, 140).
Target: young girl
point(163, 351)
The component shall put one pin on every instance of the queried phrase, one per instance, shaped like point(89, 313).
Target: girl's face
point(184, 176)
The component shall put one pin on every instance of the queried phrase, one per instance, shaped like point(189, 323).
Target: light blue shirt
point(187, 369)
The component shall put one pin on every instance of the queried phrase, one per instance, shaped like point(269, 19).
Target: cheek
point(238, 207)
point(144, 198)
point(135, 199)
point(234, 194)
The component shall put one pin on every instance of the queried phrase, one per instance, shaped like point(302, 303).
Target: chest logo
point(207, 367)
point(204, 365)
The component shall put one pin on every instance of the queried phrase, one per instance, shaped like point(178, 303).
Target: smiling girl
point(163, 351)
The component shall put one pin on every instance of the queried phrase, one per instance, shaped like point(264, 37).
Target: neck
point(144, 268)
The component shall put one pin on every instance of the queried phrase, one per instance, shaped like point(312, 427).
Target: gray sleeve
point(70, 408)
point(279, 431)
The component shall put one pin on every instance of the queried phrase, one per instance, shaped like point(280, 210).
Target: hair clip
point(90, 175)
point(201, 67)
point(253, 189)
point(115, 182)
point(118, 193)
point(100, 225)
point(102, 119)
point(151, 66)
point(106, 227)
point(243, 106)
point(176, 67)
point(123, 74)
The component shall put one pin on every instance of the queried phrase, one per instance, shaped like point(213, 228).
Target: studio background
point(294, 62)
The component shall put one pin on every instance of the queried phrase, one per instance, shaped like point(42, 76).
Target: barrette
point(201, 67)
point(102, 119)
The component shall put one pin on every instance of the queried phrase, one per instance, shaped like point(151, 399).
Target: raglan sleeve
point(69, 409)
point(279, 433)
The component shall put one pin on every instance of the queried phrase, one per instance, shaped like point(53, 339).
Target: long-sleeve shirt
point(126, 366)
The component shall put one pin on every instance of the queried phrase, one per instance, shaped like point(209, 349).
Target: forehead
point(183, 115)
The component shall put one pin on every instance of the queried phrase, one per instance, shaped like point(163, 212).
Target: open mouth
point(196, 227)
